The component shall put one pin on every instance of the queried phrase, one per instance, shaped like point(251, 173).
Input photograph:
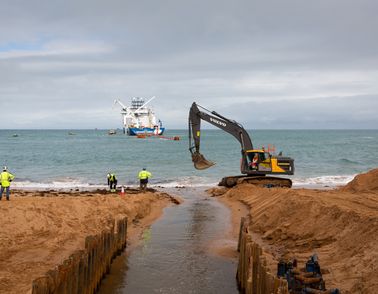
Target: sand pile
point(38, 232)
point(340, 225)
point(367, 182)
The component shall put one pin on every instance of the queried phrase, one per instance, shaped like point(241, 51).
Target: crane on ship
point(131, 115)
point(127, 110)
point(256, 164)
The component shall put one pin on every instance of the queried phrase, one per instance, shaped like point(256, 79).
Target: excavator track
point(261, 181)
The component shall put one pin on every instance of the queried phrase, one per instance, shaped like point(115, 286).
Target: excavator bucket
point(200, 162)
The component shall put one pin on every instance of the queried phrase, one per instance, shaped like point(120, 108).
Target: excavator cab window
point(250, 156)
point(265, 156)
point(252, 164)
point(259, 161)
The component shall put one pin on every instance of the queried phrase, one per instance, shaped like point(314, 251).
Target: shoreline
point(40, 229)
point(80, 185)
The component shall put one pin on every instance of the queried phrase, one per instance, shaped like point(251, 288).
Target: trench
point(176, 254)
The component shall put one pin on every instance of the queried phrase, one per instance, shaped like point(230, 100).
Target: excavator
point(256, 164)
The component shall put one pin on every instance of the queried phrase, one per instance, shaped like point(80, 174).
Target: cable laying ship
point(139, 119)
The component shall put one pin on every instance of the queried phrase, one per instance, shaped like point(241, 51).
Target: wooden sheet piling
point(253, 275)
point(82, 271)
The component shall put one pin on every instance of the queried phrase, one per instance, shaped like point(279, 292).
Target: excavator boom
point(214, 118)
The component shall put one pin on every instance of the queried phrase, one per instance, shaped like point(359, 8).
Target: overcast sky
point(267, 64)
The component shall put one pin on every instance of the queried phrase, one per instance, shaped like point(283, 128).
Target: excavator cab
point(268, 163)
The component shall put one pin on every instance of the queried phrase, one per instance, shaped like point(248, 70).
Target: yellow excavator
point(256, 164)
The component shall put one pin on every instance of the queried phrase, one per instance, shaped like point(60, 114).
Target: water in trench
point(175, 255)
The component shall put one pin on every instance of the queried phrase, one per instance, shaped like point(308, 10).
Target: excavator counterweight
point(255, 163)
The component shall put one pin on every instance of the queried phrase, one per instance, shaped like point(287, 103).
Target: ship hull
point(144, 131)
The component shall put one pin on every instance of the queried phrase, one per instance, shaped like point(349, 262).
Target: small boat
point(71, 134)
point(141, 136)
point(15, 135)
point(112, 132)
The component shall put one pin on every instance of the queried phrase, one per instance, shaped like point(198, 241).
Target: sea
point(81, 159)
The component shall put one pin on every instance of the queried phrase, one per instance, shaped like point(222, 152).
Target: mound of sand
point(341, 226)
point(367, 182)
point(41, 229)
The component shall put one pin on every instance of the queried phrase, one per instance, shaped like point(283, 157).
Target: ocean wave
point(323, 181)
point(184, 181)
point(368, 137)
point(56, 185)
point(70, 184)
point(347, 161)
point(189, 181)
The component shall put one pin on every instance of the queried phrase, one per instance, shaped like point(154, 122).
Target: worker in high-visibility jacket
point(5, 179)
point(143, 178)
point(112, 182)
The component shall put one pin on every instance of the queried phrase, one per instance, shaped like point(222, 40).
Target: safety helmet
point(4, 168)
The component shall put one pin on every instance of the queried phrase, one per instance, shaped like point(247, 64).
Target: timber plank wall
point(253, 275)
point(82, 272)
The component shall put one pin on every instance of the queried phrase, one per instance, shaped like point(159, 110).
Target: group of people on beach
point(6, 178)
point(143, 177)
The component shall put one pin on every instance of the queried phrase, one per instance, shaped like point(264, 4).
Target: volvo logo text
point(221, 123)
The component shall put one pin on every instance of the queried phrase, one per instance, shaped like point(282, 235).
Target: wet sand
point(340, 225)
point(39, 229)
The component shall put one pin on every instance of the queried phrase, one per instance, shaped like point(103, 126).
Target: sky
point(273, 64)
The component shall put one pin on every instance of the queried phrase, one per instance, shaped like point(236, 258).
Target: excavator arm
point(255, 164)
point(214, 118)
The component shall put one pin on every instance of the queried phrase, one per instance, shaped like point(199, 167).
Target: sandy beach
point(41, 228)
point(340, 225)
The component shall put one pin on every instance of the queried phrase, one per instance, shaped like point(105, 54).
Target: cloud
point(352, 112)
point(56, 48)
point(57, 59)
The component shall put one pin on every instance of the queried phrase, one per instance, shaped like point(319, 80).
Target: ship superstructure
point(140, 119)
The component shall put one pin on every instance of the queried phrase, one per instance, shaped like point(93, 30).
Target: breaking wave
point(347, 161)
point(71, 184)
point(323, 181)
point(190, 181)
point(56, 185)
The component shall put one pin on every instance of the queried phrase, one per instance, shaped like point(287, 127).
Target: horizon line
point(185, 129)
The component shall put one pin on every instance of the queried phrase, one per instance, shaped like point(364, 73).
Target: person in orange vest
point(5, 179)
